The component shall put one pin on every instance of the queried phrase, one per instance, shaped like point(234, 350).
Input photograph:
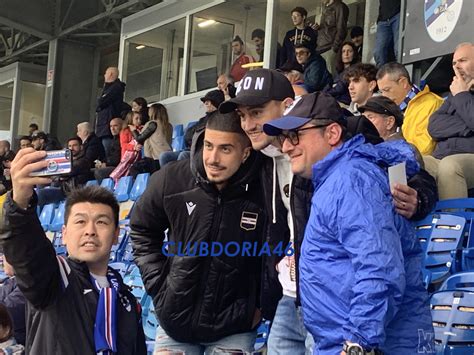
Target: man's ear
point(286, 103)
point(334, 134)
point(247, 151)
point(390, 122)
point(116, 235)
point(372, 85)
point(64, 234)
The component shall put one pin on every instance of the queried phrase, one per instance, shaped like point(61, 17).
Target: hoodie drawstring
point(274, 191)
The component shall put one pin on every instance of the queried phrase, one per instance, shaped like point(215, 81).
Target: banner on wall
point(435, 27)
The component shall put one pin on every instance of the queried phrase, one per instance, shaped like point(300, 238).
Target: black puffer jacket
point(199, 298)
point(62, 302)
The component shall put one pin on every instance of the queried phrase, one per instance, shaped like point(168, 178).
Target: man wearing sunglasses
point(360, 265)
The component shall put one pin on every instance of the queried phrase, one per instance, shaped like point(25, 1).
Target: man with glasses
point(316, 74)
point(360, 265)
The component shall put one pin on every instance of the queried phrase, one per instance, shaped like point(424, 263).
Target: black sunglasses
point(293, 135)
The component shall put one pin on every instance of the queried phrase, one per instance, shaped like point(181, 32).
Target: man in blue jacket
point(360, 265)
point(316, 74)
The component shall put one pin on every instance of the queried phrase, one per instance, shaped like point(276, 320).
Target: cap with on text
point(315, 106)
point(258, 87)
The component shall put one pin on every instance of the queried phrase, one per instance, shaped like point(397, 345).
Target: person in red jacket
point(236, 71)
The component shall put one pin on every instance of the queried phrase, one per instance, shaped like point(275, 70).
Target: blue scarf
point(411, 94)
point(105, 328)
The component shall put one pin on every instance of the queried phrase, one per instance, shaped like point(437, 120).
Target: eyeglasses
point(293, 135)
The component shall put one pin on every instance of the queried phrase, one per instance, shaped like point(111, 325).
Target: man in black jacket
point(262, 96)
point(452, 127)
point(67, 297)
point(91, 144)
point(109, 104)
point(204, 302)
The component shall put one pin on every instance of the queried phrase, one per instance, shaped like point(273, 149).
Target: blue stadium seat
point(58, 219)
point(139, 186)
point(123, 188)
point(178, 144)
point(178, 130)
point(442, 249)
point(108, 183)
point(92, 183)
point(120, 267)
point(150, 324)
point(453, 319)
point(150, 346)
point(46, 216)
point(460, 281)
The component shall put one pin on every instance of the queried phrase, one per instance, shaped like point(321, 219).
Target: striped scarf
point(105, 328)
point(411, 94)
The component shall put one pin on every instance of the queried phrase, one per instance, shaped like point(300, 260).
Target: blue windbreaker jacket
point(360, 263)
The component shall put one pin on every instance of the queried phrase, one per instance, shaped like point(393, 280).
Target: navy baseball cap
point(258, 87)
point(315, 106)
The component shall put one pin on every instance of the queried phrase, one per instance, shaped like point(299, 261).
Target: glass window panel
point(155, 62)
point(6, 95)
point(211, 40)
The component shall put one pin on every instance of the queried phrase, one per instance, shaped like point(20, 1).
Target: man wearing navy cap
point(360, 266)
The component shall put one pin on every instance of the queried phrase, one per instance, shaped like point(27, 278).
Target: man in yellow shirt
point(417, 105)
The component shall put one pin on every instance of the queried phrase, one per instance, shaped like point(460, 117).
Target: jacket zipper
point(205, 271)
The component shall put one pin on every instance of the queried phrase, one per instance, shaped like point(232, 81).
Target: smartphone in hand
point(59, 163)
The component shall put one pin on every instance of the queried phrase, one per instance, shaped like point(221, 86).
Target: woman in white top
point(158, 131)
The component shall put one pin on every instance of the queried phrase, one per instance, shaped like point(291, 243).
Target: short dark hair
point(301, 10)
point(75, 138)
point(259, 33)
point(33, 125)
point(6, 322)
point(357, 31)
point(238, 39)
point(364, 70)
point(92, 194)
point(25, 138)
point(303, 45)
point(227, 122)
point(394, 70)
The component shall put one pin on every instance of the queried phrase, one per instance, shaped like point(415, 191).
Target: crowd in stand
point(295, 156)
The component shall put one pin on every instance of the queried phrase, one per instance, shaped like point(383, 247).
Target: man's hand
point(459, 84)
point(138, 147)
point(406, 200)
point(26, 161)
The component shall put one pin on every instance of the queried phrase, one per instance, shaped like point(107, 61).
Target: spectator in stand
point(132, 120)
point(91, 144)
point(225, 83)
point(109, 104)
point(357, 37)
point(452, 127)
point(386, 39)
point(33, 127)
point(258, 37)
point(162, 132)
point(219, 186)
point(346, 57)
point(301, 34)
point(8, 344)
point(25, 142)
point(76, 304)
point(362, 85)
point(360, 276)
point(332, 31)
point(112, 155)
point(12, 298)
point(238, 49)
point(387, 118)
point(139, 104)
point(417, 105)
point(5, 178)
point(4, 147)
point(316, 75)
point(211, 101)
point(81, 165)
point(41, 141)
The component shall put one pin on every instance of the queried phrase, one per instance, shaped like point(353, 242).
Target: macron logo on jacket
point(190, 206)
